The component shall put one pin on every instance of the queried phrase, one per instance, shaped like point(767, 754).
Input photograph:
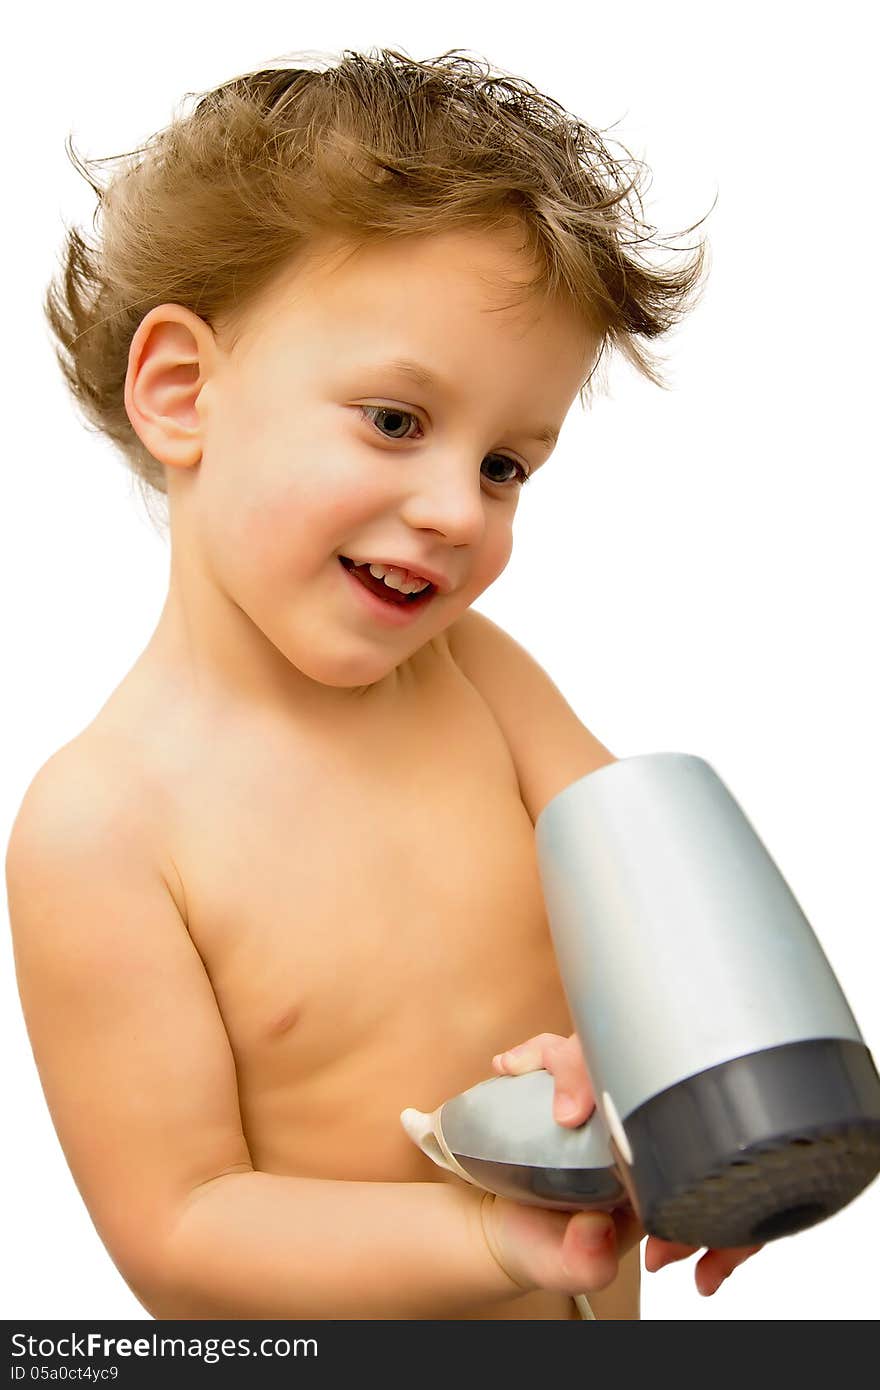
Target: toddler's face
point(295, 472)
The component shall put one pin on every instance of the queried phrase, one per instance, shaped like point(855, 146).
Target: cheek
point(250, 549)
point(275, 516)
point(498, 552)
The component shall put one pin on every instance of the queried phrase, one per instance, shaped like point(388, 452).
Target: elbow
point(178, 1273)
point(169, 1298)
point(169, 1290)
point(155, 1288)
point(160, 1281)
point(182, 1279)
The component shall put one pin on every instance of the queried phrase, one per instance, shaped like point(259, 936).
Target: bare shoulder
point(93, 791)
point(549, 744)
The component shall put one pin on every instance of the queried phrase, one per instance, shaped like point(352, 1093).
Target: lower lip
point(395, 615)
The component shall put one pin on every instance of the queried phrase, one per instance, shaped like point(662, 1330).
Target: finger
point(590, 1252)
point(712, 1268)
point(527, 1056)
point(717, 1265)
point(573, 1095)
point(659, 1252)
point(624, 1230)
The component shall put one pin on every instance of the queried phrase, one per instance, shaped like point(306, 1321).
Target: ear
point(170, 357)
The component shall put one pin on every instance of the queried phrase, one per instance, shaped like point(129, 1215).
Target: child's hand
point(568, 1252)
point(573, 1102)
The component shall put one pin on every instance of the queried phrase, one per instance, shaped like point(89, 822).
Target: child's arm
point(549, 745)
point(140, 1080)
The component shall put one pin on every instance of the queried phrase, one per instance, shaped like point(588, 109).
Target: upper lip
point(440, 581)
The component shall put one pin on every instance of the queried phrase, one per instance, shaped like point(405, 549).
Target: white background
point(697, 569)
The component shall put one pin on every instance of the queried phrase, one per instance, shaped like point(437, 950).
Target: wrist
point(515, 1284)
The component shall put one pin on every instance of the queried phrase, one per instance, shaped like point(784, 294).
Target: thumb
point(619, 1230)
point(589, 1253)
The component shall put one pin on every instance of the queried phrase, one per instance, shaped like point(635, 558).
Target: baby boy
point(284, 885)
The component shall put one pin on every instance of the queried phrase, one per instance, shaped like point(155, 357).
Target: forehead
point(443, 300)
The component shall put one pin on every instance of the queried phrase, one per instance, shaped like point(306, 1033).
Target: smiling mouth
point(383, 590)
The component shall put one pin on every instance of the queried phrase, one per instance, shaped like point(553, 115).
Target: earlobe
point(165, 375)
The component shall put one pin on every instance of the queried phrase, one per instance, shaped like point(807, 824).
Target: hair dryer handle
point(501, 1136)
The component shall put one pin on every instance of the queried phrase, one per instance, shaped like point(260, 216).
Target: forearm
point(260, 1245)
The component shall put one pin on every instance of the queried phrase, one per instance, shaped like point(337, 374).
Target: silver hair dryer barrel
point(737, 1101)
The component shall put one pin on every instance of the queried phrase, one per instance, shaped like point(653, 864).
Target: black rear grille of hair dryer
point(758, 1147)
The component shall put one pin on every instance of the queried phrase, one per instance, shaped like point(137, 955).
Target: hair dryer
point(736, 1100)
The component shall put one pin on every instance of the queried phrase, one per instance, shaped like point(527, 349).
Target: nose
point(445, 495)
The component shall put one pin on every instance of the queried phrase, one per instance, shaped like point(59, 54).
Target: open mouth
point(383, 590)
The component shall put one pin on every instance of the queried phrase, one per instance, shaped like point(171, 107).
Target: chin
point(357, 679)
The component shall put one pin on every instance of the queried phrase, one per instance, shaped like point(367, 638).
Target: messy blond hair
point(209, 211)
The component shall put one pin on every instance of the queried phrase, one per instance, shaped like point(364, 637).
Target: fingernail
point(515, 1056)
point(595, 1235)
point(504, 1059)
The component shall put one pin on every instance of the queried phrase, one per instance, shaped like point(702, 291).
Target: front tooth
point(394, 578)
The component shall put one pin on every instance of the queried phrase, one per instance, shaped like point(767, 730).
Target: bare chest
point(371, 908)
point(367, 905)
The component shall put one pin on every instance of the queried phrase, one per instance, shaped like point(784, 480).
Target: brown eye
point(397, 415)
point(387, 410)
point(521, 475)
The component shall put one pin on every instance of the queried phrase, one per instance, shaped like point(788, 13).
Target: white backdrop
point(697, 569)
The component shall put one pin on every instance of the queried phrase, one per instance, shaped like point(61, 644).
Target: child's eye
point(368, 411)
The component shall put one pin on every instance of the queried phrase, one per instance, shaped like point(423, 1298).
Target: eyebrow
point(423, 376)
